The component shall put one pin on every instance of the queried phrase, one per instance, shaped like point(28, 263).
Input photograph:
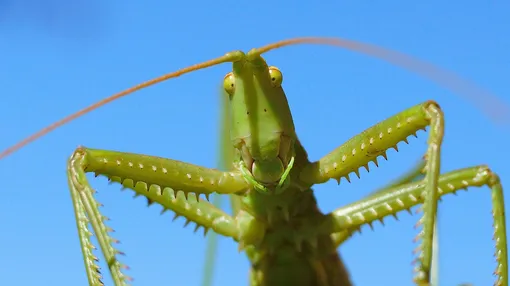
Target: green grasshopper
point(268, 177)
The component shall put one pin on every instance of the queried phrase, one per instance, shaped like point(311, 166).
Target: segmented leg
point(156, 179)
point(344, 221)
point(374, 142)
point(414, 174)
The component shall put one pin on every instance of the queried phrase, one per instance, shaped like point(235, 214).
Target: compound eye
point(276, 76)
point(229, 83)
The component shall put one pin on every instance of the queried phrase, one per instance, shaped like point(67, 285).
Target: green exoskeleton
point(268, 177)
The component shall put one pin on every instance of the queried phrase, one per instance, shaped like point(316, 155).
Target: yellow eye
point(276, 76)
point(229, 83)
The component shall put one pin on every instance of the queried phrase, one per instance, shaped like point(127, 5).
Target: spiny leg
point(414, 174)
point(344, 221)
point(374, 142)
point(86, 210)
point(156, 179)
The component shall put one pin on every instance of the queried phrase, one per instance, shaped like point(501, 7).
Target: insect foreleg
point(374, 142)
point(174, 185)
point(86, 210)
point(367, 146)
point(413, 175)
point(344, 221)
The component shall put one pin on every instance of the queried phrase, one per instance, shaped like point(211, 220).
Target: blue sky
point(59, 57)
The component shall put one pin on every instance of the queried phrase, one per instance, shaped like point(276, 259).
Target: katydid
point(268, 177)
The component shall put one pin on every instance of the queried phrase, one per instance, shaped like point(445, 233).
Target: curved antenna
point(489, 103)
point(67, 119)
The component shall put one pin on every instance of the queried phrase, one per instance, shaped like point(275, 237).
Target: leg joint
point(435, 115)
point(78, 155)
point(490, 178)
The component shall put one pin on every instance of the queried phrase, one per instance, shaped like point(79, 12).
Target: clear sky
point(59, 57)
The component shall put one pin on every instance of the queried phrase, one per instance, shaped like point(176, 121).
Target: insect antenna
point(69, 118)
point(489, 103)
